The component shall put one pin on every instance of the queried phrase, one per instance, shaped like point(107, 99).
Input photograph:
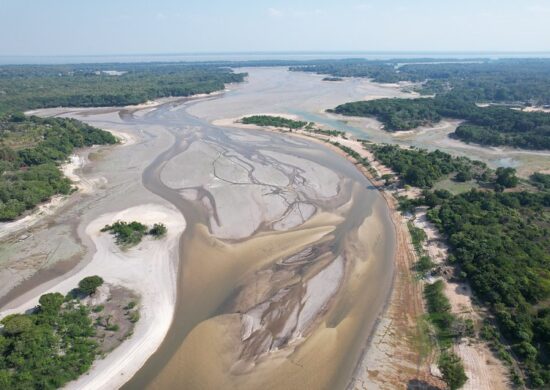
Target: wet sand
point(287, 258)
point(149, 270)
point(224, 284)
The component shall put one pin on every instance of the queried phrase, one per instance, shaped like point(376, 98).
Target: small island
point(128, 234)
point(290, 124)
point(329, 78)
point(274, 121)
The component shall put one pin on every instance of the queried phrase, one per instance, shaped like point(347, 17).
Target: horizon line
point(286, 52)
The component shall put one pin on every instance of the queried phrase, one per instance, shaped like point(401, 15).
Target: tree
point(17, 323)
point(506, 177)
point(452, 369)
point(51, 302)
point(89, 284)
point(158, 230)
point(463, 176)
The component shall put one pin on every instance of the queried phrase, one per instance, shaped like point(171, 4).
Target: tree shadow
point(417, 384)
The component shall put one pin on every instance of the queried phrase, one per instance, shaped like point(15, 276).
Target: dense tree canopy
point(420, 168)
point(275, 121)
point(395, 114)
point(484, 125)
point(48, 347)
point(90, 85)
point(30, 150)
point(89, 284)
point(523, 81)
point(501, 241)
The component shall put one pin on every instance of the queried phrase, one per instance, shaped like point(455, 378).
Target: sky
point(108, 27)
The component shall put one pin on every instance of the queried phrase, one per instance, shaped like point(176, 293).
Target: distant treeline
point(483, 125)
point(458, 87)
point(483, 80)
point(24, 87)
point(30, 149)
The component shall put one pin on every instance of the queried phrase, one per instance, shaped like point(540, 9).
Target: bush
point(452, 369)
point(90, 284)
point(158, 230)
point(126, 233)
point(51, 302)
point(424, 264)
point(16, 324)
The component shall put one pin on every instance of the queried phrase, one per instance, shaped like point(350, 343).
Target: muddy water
point(280, 308)
point(221, 282)
point(288, 306)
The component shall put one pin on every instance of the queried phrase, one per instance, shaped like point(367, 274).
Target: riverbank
point(149, 269)
point(394, 334)
point(71, 169)
point(401, 332)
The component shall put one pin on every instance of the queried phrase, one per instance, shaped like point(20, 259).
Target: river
point(287, 258)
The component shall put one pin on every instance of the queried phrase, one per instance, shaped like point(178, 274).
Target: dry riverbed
point(398, 351)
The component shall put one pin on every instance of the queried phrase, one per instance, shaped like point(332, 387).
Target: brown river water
point(287, 259)
point(282, 308)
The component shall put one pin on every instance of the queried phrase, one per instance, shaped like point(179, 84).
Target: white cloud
point(274, 12)
point(539, 8)
point(363, 6)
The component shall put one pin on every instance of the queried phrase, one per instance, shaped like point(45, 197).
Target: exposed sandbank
point(148, 269)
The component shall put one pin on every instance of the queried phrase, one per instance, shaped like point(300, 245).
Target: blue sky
point(71, 27)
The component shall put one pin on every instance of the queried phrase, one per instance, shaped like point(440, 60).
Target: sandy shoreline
point(148, 269)
point(104, 376)
point(75, 163)
point(405, 301)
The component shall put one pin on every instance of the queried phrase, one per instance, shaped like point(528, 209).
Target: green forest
point(501, 242)
point(24, 87)
point(395, 114)
point(30, 150)
point(275, 121)
point(420, 168)
point(483, 125)
point(458, 86)
point(521, 81)
point(49, 346)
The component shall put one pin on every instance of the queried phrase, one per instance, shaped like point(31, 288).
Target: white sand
point(45, 209)
point(49, 207)
point(84, 185)
point(70, 169)
point(150, 270)
point(537, 109)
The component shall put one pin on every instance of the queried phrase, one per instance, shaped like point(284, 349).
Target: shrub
point(90, 284)
point(158, 230)
point(51, 302)
point(452, 369)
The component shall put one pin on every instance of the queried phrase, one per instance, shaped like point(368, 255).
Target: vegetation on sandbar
point(131, 233)
point(274, 121)
point(54, 343)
